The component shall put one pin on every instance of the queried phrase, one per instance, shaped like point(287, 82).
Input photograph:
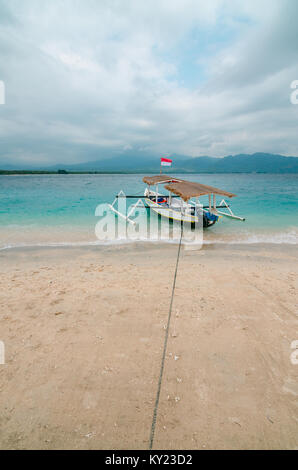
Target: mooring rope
point(165, 348)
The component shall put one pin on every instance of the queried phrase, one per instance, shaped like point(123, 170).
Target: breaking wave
point(289, 237)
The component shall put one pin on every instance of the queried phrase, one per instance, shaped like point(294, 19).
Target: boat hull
point(174, 215)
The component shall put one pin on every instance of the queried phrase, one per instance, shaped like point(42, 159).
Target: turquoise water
point(61, 208)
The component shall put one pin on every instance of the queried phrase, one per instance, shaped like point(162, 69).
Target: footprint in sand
point(55, 302)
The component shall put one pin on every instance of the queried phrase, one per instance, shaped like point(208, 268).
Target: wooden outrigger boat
point(183, 208)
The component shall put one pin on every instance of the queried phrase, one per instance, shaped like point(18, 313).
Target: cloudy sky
point(89, 79)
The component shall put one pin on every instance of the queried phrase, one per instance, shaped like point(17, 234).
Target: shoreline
point(144, 246)
point(141, 172)
point(46, 237)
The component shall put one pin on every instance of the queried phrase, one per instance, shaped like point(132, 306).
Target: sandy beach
point(84, 331)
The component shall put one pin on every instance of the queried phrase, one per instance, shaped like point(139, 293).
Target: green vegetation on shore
point(43, 172)
point(132, 172)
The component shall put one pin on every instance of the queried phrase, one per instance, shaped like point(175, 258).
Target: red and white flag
point(165, 161)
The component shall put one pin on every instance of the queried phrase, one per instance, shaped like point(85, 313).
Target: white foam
point(279, 238)
point(82, 243)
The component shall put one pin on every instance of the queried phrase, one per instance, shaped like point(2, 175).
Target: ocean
point(46, 210)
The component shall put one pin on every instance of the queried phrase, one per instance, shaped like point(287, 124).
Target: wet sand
point(84, 332)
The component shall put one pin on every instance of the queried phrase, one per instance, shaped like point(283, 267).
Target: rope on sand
point(164, 348)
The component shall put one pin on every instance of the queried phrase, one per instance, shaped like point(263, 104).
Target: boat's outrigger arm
point(231, 214)
point(139, 204)
point(125, 217)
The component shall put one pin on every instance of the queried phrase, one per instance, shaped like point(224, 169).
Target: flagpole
point(160, 166)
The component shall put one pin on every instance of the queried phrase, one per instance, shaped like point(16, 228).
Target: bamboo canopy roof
point(160, 179)
point(185, 189)
point(188, 189)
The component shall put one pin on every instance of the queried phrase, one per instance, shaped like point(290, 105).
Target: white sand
point(84, 332)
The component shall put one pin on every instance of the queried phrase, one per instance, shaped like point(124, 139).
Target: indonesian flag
point(165, 162)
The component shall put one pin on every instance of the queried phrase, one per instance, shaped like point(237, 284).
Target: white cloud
point(105, 74)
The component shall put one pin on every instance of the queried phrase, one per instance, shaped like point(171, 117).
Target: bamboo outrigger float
point(182, 208)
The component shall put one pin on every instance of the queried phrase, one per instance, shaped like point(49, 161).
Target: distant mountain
point(242, 163)
point(144, 162)
point(124, 162)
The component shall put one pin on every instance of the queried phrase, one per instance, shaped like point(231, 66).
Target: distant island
point(141, 163)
